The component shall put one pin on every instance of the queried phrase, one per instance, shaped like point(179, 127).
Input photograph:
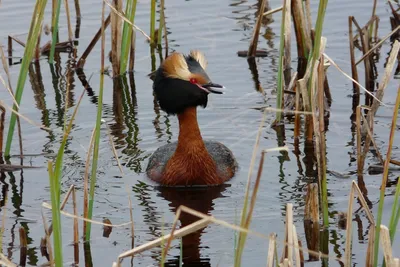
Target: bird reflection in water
point(200, 199)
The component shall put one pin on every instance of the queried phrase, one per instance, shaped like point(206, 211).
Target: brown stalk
point(77, 9)
point(23, 246)
point(271, 250)
point(68, 20)
point(354, 73)
point(302, 37)
point(48, 247)
point(347, 252)
point(287, 46)
point(311, 219)
point(254, 40)
point(164, 28)
point(116, 23)
point(368, 128)
point(369, 259)
point(132, 52)
point(2, 119)
point(272, 11)
point(297, 116)
point(15, 39)
point(358, 134)
point(96, 38)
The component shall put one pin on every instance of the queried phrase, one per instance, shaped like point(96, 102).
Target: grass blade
point(127, 31)
point(33, 35)
point(55, 32)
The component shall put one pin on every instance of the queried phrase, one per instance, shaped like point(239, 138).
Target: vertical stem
point(385, 176)
point(152, 21)
point(55, 32)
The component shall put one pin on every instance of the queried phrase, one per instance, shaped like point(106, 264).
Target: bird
point(180, 85)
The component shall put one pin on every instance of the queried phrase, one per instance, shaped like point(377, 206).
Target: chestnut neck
point(189, 139)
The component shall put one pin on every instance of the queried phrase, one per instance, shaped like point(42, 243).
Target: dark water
point(219, 29)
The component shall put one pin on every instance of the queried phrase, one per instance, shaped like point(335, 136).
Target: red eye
point(193, 80)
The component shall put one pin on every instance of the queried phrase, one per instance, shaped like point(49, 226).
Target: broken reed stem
point(56, 16)
point(354, 73)
point(385, 175)
point(152, 21)
point(311, 219)
point(254, 40)
point(271, 250)
point(96, 38)
point(116, 38)
point(297, 124)
point(287, 54)
point(358, 136)
point(386, 246)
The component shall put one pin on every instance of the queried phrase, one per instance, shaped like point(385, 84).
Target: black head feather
point(175, 95)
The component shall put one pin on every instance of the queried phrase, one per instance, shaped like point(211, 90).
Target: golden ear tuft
point(197, 55)
point(175, 66)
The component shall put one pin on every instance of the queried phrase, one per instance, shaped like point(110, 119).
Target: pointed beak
point(214, 88)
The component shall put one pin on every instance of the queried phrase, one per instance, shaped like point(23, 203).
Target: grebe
point(180, 85)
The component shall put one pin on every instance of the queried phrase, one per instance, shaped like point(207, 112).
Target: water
point(219, 29)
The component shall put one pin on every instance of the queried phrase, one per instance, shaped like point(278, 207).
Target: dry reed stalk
point(254, 40)
point(272, 11)
point(116, 35)
point(354, 73)
point(68, 20)
point(271, 250)
point(358, 135)
point(4, 105)
point(303, 39)
point(297, 254)
point(205, 220)
point(287, 44)
point(368, 128)
point(2, 120)
point(77, 9)
point(132, 53)
point(6, 262)
point(86, 180)
point(96, 38)
point(297, 124)
point(378, 45)
point(127, 20)
point(386, 245)
point(23, 246)
point(289, 226)
point(311, 219)
point(355, 189)
point(369, 259)
point(379, 96)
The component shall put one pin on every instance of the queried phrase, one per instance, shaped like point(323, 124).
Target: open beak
point(214, 88)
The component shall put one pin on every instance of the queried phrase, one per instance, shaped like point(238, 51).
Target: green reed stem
point(384, 179)
point(93, 175)
point(394, 218)
point(279, 89)
point(152, 20)
point(36, 22)
point(127, 31)
point(56, 215)
point(55, 33)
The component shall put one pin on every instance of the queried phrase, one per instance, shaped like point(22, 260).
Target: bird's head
point(182, 82)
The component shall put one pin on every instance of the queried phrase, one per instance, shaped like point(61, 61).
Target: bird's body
point(181, 85)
